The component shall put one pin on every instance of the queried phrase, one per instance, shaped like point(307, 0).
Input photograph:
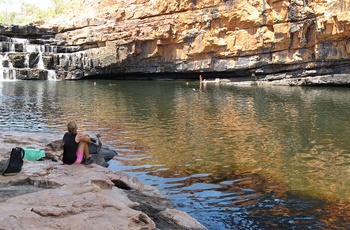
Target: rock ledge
point(51, 195)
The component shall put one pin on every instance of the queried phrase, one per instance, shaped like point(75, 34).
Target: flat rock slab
point(51, 195)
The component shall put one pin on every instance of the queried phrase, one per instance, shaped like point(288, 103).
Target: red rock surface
point(237, 37)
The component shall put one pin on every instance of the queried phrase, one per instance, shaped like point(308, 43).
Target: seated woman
point(75, 146)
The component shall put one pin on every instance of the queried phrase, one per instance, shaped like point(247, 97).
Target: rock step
point(27, 74)
point(24, 65)
point(9, 46)
point(29, 52)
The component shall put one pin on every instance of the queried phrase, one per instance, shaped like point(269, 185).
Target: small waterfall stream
point(6, 69)
point(40, 59)
point(19, 58)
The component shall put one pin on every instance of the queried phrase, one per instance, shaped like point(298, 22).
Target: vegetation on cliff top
point(24, 12)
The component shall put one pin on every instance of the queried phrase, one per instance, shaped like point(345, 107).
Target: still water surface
point(232, 157)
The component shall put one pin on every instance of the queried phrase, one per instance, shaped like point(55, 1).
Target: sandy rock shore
point(50, 195)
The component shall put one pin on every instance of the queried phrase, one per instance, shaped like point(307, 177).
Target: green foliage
point(278, 18)
point(7, 18)
point(59, 6)
point(62, 5)
point(31, 12)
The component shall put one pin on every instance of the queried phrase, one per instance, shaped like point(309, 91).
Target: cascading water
point(19, 57)
point(40, 62)
point(52, 76)
point(26, 61)
point(6, 69)
point(28, 52)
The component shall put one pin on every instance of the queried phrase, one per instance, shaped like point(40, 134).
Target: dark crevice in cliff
point(264, 13)
point(170, 75)
point(265, 72)
point(342, 5)
point(70, 29)
point(330, 85)
point(121, 184)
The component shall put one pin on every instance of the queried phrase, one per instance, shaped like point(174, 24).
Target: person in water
point(75, 146)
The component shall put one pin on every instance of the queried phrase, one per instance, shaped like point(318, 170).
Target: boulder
point(99, 152)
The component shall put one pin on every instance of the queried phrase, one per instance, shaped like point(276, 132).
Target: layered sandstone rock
point(50, 195)
point(232, 38)
point(240, 38)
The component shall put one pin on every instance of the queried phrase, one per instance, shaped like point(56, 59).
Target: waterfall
point(52, 76)
point(7, 72)
point(1, 69)
point(36, 54)
point(41, 61)
point(26, 61)
point(21, 57)
point(12, 47)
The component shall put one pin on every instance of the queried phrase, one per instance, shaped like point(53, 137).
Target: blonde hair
point(72, 128)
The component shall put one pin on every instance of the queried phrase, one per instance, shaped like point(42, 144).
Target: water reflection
point(233, 157)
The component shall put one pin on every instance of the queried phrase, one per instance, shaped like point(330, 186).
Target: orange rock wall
point(230, 36)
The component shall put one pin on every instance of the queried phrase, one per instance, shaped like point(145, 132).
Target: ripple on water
point(252, 157)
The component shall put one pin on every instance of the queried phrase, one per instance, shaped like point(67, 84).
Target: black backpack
point(15, 162)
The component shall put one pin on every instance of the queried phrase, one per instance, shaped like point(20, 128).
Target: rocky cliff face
point(293, 42)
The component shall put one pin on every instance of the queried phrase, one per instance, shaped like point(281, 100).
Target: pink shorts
point(79, 157)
